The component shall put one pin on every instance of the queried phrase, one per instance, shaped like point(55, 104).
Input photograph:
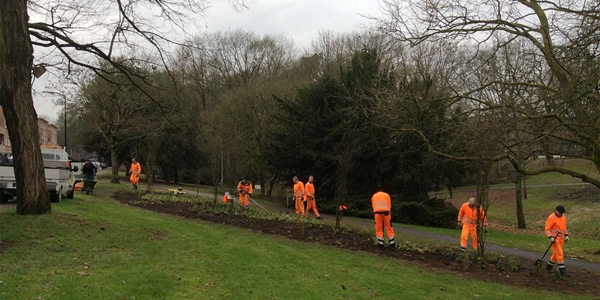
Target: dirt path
point(366, 223)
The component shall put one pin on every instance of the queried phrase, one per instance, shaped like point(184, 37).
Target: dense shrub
point(432, 212)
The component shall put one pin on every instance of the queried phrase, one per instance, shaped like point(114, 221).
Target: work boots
point(563, 272)
point(550, 265)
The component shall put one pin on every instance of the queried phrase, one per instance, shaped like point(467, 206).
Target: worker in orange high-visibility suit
point(467, 219)
point(244, 189)
point(309, 197)
point(135, 171)
point(557, 232)
point(299, 196)
point(382, 207)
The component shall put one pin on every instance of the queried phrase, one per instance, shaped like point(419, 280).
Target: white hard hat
point(471, 201)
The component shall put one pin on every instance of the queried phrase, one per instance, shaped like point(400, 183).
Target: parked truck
point(60, 179)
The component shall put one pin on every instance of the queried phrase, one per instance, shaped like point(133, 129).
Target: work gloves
point(566, 238)
point(459, 224)
point(552, 240)
point(486, 229)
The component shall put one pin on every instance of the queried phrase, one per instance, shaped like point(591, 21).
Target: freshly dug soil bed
point(500, 269)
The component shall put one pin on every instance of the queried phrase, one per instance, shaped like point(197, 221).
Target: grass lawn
point(93, 247)
point(583, 211)
point(578, 165)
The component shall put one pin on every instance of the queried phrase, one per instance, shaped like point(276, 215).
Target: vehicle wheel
point(3, 198)
point(56, 196)
point(71, 194)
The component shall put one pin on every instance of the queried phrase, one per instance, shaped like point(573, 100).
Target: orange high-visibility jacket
point(136, 168)
point(556, 225)
point(246, 188)
point(299, 189)
point(381, 202)
point(468, 215)
point(309, 191)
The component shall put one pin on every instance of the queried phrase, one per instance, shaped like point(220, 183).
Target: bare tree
point(112, 111)
point(562, 100)
point(81, 33)
point(231, 59)
point(16, 61)
point(335, 50)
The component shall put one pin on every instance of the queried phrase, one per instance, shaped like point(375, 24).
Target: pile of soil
point(500, 269)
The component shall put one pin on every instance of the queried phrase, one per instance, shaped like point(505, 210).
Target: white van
point(60, 180)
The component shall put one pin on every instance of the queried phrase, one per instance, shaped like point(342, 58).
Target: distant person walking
point(468, 216)
point(244, 189)
point(135, 171)
point(89, 170)
point(556, 230)
point(382, 207)
point(309, 197)
point(299, 196)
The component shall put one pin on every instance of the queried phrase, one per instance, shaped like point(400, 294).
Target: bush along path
point(507, 270)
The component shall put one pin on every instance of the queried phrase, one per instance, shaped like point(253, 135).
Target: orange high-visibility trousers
point(311, 204)
point(383, 220)
point(134, 178)
point(557, 251)
point(466, 230)
point(299, 206)
point(244, 200)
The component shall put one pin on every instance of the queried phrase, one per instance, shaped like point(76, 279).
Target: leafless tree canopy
point(528, 61)
point(83, 32)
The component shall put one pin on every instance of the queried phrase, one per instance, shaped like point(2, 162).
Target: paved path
point(367, 223)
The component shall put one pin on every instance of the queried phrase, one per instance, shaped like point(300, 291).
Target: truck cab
point(60, 180)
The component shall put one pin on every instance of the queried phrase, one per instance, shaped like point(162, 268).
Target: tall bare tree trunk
point(345, 161)
point(16, 59)
point(261, 180)
point(519, 193)
point(153, 142)
point(215, 173)
point(114, 162)
point(483, 189)
point(271, 185)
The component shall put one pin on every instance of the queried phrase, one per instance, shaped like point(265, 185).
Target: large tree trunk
point(153, 143)
point(150, 171)
point(519, 191)
point(345, 161)
point(16, 59)
point(483, 189)
point(114, 162)
point(271, 185)
point(215, 173)
point(166, 174)
point(261, 179)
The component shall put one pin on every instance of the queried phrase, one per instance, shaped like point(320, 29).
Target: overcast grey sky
point(301, 20)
